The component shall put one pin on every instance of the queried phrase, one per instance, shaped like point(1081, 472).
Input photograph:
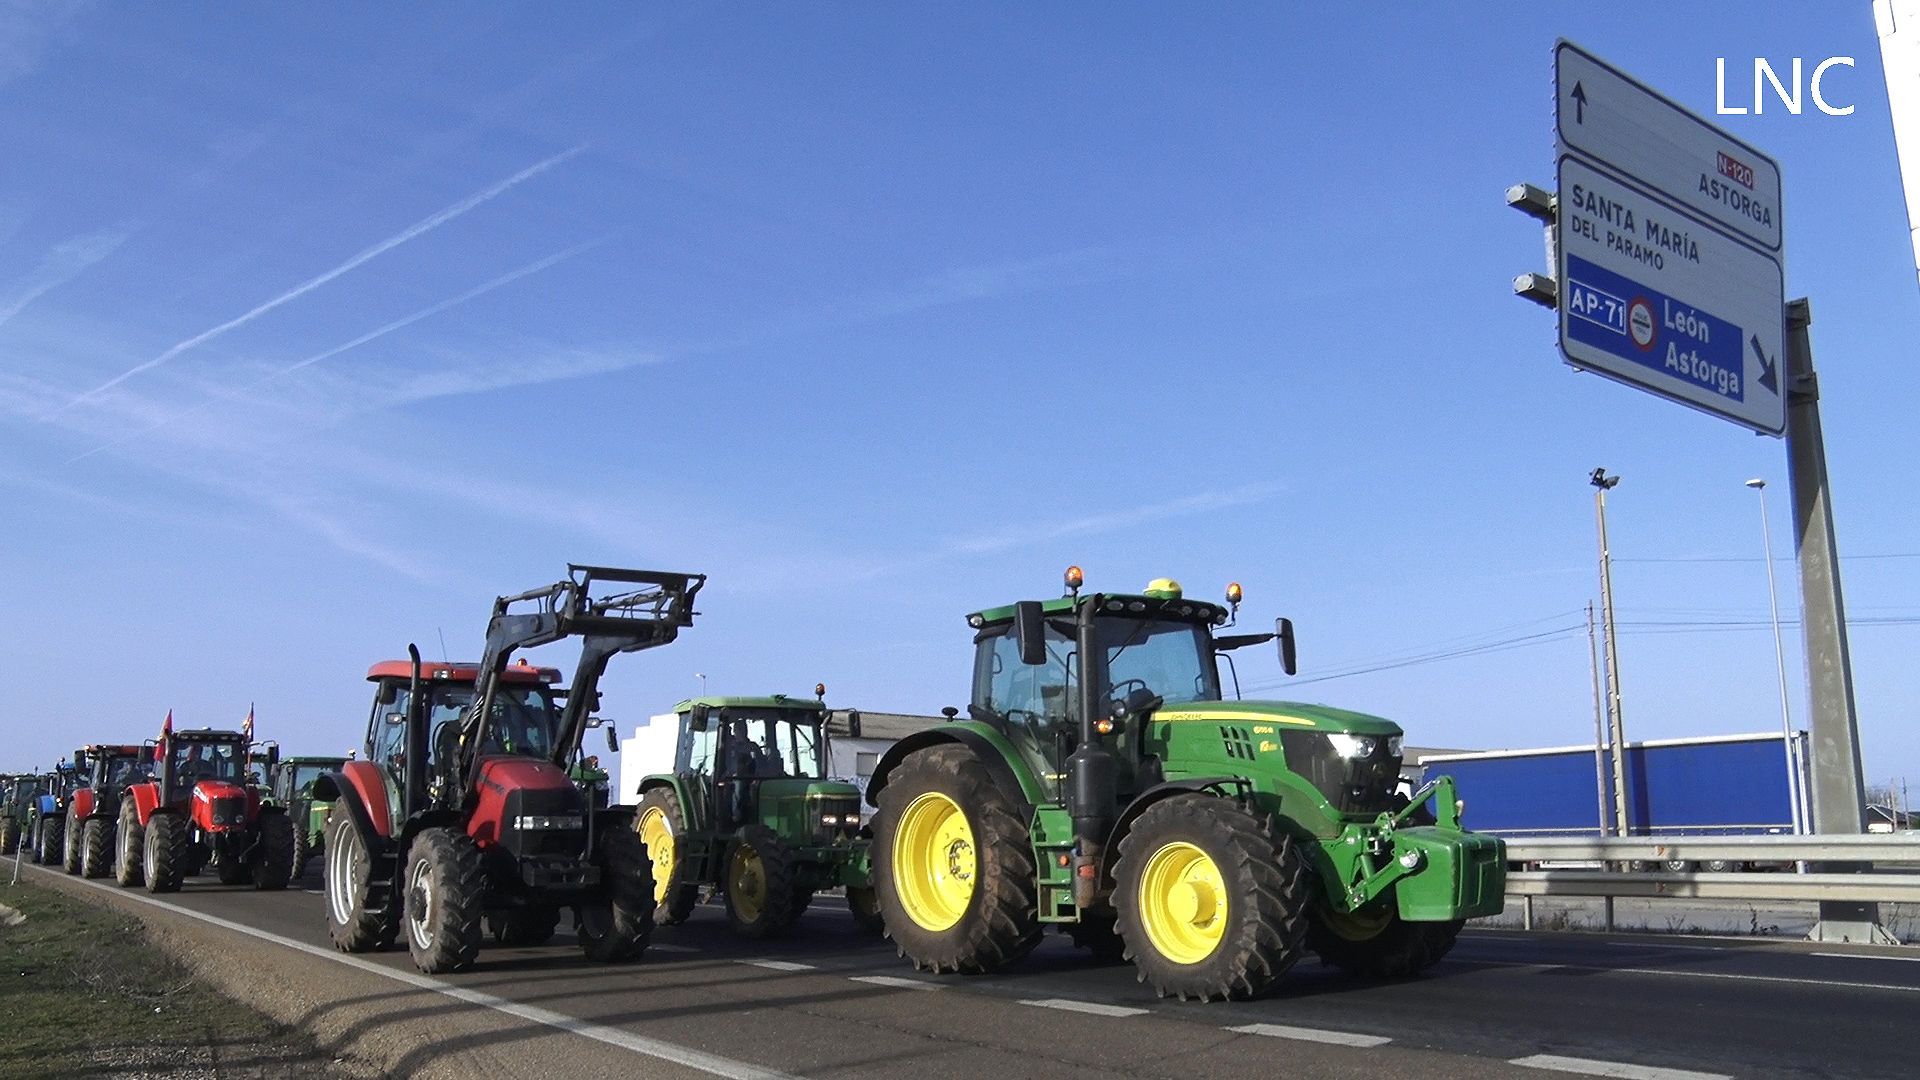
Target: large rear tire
point(164, 853)
point(96, 848)
point(1384, 946)
point(302, 849)
point(618, 924)
point(523, 926)
point(759, 884)
point(661, 822)
point(1212, 903)
point(129, 845)
point(271, 866)
point(953, 865)
point(445, 887)
point(357, 919)
point(9, 836)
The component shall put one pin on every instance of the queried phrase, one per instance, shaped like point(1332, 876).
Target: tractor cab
point(522, 720)
point(761, 757)
point(216, 759)
point(293, 777)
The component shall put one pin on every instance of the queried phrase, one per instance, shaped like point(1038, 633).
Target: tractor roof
point(313, 760)
point(113, 749)
point(773, 701)
point(1173, 607)
point(208, 735)
point(464, 671)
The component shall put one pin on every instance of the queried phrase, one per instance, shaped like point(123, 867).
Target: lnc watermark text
point(1794, 92)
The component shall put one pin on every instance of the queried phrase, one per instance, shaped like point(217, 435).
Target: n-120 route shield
point(1655, 297)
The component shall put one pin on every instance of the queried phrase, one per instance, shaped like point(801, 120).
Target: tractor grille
point(229, 811)
point(547, 821)
point(1351, 785)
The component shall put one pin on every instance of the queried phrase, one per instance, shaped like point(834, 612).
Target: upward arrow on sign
point(1579, 104)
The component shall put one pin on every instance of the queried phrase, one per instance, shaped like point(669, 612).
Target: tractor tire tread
point(129, 846)
point(164, 852)
point(1002, 924)
point(271, 867)
point(1265, 874)
point(461, 883)
point(681, 898)
point(367, 928)
point(96, 848)
point(627, 878)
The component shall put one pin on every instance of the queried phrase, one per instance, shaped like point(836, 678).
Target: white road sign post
point(1669, 241)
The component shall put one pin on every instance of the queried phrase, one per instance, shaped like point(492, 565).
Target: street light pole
point(703, 683)
point(1780, 659)
point(1602, 483)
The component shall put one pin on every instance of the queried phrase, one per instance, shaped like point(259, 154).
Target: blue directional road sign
point(1668, 280)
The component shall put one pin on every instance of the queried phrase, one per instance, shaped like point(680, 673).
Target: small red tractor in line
point(105, 771)
point(462, 815)
point(201, 807)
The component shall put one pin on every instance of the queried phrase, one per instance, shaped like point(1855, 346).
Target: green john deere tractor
point(1104, 784)
point(292, 788)
point(749, 811)
point(19, 795)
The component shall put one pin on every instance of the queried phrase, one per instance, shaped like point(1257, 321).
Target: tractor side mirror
point(697, 720)
point(1030, 626)
point(1283, 631)
point(613, 741)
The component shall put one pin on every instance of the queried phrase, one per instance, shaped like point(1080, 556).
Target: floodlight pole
point(1838, 803)
point(1622, 825)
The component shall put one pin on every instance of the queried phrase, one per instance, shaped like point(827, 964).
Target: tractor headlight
point(543, 822)
point(1357, 747)
point(1395, 744)
point(829, 819)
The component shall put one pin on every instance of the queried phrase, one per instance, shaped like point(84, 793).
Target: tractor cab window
point(1033, 703)
point(520, 721)
point(196, 761)
point(304, 776)
point(805, 747)
point(750, 746)
point(1149, 658)
point(121, 771)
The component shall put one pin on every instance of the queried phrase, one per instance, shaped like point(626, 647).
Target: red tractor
point(462, 815)
point(202, 807)
point(105, 772)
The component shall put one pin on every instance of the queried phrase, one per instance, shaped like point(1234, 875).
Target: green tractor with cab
point(1104, 784)
point(292, 788)
point(749, 811)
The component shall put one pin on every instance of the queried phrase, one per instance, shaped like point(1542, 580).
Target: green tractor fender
point(1003, 762)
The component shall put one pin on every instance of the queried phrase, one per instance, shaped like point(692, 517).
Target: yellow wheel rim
point(657, 833)
point(934, 862)
point(1183, 903)
point(747, 883)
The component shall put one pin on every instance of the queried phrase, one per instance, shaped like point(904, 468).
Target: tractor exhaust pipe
point(1093, 785)
point(416, 778)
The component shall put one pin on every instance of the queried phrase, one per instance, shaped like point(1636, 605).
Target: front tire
point(759, 884)
point(358, 920)
point(129, 847)
point(96, 848)
point(1212, 903)
point(9, 836)
point(445, 887)
point(953, 865)
point(53, 836)
point(661, 822)
point(864, 906)
point(1382, 947)
point(271, 866)
point(74, 847)
point(164, 855)
point(618, 924)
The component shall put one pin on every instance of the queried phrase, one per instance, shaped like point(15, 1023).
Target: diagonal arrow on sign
point(1769, 375)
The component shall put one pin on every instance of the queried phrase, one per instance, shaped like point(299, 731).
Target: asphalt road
point(830, 1002)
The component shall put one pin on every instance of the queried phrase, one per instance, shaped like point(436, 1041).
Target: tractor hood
point(1289, 714)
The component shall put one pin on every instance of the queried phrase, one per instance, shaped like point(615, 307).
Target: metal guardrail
point(1827, 857)
point(1876, 848)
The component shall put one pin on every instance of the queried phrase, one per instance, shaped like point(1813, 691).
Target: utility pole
point(1602, 483)
point(1599, 724)
point(1838, 802)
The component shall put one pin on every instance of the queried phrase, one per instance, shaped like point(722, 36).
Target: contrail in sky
point(474, 293)
point(419, 228)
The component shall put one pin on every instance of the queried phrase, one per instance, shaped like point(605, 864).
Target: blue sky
point(321, 326)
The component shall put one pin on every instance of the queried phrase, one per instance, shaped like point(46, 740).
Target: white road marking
point(1865, 956)
point(1540, 968)
point(1337, 1038)
point(1093, 1007)
point(1654, 945)
point(658, 947)
point(897, 982)
point(612, 1036)
point(1590, 1067)
point(777, 965)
